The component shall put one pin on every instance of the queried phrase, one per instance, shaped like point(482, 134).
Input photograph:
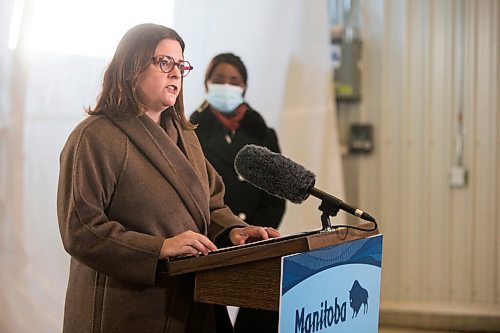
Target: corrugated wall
point(421, 61)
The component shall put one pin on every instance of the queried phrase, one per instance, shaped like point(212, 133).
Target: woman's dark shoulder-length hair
point(133, 55)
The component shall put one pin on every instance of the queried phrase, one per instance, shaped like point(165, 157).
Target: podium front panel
point(334, 289)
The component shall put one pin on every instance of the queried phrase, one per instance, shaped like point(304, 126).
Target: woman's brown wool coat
point(124, 187)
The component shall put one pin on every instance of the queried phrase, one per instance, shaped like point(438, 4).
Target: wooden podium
point(249, 275)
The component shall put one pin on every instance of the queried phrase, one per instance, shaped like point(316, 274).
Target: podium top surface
point(260, 250)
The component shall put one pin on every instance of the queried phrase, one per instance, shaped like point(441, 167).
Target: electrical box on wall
point(346, 56)
point(458, 176)
point(361, 138)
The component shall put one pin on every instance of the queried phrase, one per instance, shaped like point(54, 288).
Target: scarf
point(230, 121)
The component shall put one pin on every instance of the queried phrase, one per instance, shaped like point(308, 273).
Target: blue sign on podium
point(333, 289)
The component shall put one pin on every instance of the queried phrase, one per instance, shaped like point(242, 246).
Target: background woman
point(225, 124)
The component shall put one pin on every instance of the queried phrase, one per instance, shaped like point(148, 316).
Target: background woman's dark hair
point(133, 55)
point(228, 58)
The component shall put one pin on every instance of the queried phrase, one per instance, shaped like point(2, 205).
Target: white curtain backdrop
point(42, 95)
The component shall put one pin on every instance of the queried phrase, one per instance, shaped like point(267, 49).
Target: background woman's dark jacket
point(220, 147)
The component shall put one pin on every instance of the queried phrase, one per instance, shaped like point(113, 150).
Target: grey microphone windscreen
point(274, 173)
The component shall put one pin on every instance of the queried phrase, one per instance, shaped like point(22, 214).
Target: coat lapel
point(165, 155)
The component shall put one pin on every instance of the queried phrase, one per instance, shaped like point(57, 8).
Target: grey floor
point(408, 330)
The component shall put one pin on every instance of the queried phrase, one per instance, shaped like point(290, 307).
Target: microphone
point(280, 176)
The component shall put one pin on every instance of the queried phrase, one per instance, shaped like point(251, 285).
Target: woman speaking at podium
point(134, 188)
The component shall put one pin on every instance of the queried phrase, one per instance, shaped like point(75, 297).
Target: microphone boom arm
point(331, 205)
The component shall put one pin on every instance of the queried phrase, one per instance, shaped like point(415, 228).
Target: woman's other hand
point(186, 243)
point(252, 233)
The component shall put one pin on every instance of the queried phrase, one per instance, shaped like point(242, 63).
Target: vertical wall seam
point(473, 127)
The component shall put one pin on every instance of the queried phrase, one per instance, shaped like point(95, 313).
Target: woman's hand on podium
point(252, 233)
point(186, 243)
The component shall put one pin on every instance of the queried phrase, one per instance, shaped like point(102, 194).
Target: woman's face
point(158, 90)
point(226, 73)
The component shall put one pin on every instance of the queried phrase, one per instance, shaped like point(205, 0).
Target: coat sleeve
point(271, 208)
point(89, 171)
point(222, 218)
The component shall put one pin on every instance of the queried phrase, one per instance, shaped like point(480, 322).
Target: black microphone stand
point(328, 208)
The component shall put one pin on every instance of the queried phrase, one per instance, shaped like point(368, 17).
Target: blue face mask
point(224, 97)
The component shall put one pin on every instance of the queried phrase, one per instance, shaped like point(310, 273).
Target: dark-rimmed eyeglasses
point(167, 64)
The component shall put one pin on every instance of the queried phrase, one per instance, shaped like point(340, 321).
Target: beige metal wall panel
point(390, 149)
point(496, 100)
point(484, 116)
